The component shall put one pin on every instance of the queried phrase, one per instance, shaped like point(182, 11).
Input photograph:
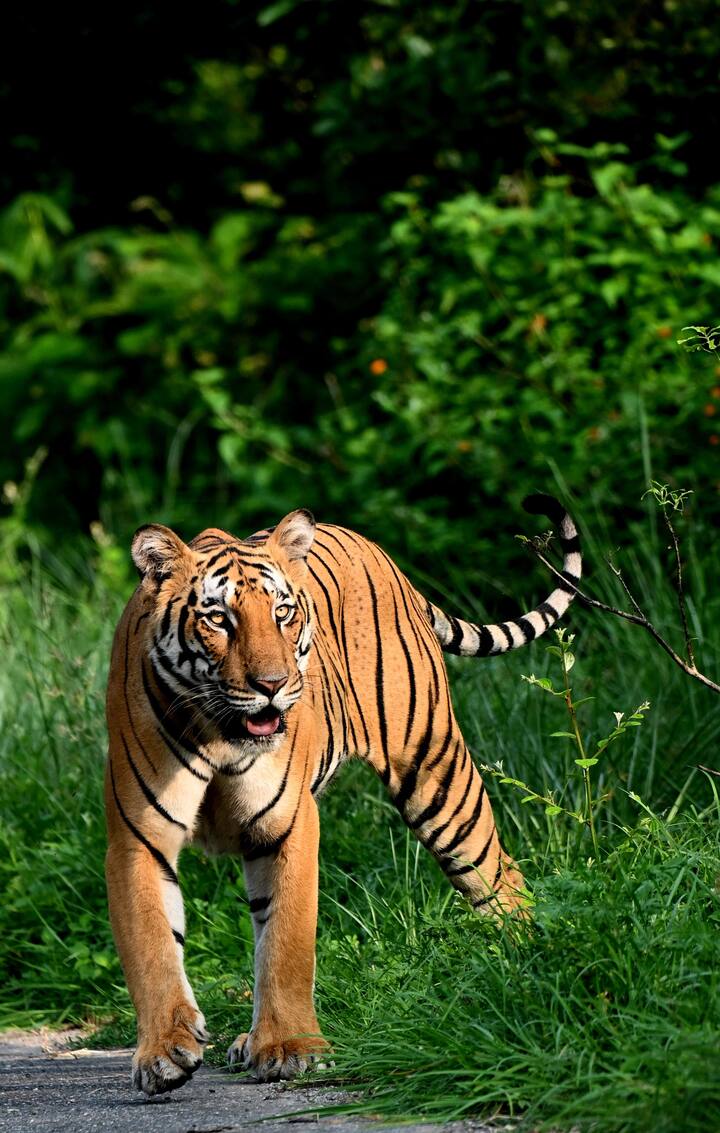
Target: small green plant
point(667, 497)
point(701, 338)
point(586, 813)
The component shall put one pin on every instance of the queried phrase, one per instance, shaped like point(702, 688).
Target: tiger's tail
point(470, 640)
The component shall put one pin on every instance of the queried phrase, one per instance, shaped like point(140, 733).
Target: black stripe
point(541, 504)
point(548, 613)
point(328, 749)
point(485, 900)
point(440, 830)
point(476, 862)
point(258, 904)
point(147, 792)
point(326, 531)
point(409, 782)
point(179, 937)
point(427, 643)
point(335, 684)
point(168, 666)
point(465, 828)
point(486, 643)
point(453, 645)
point(181, 716)
point(324, 589)
point(403, 644)
point(379, 689)
point(439, 800)
point(526, 628)
point(508, 634)
point(319, 543)
point(567, 582)
point(216, 558)
point(274, 800)
point(411, 679)
point(165, 623)
point(570, 545)
point(443, 749)
point(159, 857)
point(266, 849)
point(157, 711)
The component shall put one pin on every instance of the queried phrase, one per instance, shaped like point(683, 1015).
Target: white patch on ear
point(295, 534)
point(155, 550)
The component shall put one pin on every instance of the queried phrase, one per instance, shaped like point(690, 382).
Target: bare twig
point(680, 591)
point(637, 618)
point(709, 770)
point(619, 575)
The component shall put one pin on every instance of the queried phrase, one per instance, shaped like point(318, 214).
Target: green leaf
point(561, 735)
point(586, 762)
point(275, 12)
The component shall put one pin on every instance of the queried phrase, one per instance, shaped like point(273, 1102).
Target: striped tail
point(469, 640)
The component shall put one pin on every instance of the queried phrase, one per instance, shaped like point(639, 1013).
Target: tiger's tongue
point(264, 724)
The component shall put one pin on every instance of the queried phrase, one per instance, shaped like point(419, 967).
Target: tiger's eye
point(216, 618)
point(283, 612)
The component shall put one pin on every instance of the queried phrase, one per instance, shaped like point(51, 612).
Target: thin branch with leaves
point(668, 500)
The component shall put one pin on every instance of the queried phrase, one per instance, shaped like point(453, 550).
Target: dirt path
point(84, 1091)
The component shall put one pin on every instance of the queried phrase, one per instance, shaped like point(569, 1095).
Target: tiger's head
point(230, 623)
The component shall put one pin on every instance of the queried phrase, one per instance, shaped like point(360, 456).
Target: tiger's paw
point(277, 1061)
point(166, 1061)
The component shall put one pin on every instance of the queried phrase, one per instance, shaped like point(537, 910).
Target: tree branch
point(680, 591)
point(637, 618)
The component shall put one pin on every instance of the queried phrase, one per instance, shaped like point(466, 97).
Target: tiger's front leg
point(283, 890)
point(146, 914)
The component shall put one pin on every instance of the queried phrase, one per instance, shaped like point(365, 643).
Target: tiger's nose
point(267, 684)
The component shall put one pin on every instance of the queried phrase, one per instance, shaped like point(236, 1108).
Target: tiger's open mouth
point(263, 723)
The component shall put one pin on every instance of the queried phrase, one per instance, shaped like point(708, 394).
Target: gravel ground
point(48, 1088)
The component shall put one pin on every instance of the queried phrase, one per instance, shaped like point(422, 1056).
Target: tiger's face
point(230, 625)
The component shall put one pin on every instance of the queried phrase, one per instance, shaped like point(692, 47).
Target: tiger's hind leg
point(442, 798)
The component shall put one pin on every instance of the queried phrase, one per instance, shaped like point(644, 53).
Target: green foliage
point(398, 282)
point(511, 337)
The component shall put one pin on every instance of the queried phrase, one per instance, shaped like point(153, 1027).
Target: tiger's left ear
point(294, 535)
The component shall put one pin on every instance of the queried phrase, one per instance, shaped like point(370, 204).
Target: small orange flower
point(664, 331)
point(714, 439)
point(710, 410)
point(378, 366)
point(538, 323)
point(464, 446)
point(593, 433)
point(715, 392)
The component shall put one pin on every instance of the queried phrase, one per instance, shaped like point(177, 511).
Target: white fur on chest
point(264, 796)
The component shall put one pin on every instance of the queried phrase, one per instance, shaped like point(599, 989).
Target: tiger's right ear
point(157, 552)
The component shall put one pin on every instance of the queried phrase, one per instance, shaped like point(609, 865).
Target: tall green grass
point(603, 1013)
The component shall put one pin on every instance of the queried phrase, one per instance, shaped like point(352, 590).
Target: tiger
point(244, 672)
